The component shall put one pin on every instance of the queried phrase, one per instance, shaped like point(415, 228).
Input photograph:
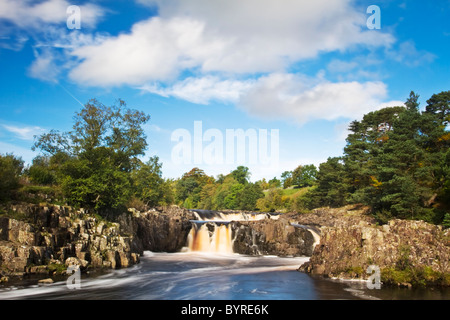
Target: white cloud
point(24, 133)
point(233, 37)
point(43, 25)
point(239, 52)
point(31, 14)
point(156, 49)
point(299, 99)
point(203, 90)
point(44, 67)
point(284, 96)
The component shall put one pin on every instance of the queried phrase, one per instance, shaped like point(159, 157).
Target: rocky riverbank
point(408, 253)
point(46, 239)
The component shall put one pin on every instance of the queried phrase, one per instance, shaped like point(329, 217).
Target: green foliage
point(332, 189)
point(286, 179)
point(41, 171)
point(149, 186)
point(249, 196)
point(396, 160)
point(95, 182)
point(190, 187)
point(415, 276)
point(272, 202)
point(304, 176)
point(446, 220)
point(94, 161)
point(197, 190)
point(241, 174)
point(11, 168)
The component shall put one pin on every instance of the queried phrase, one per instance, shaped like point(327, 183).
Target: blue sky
point(303, 68)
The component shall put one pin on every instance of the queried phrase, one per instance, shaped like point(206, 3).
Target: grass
point(417, 277)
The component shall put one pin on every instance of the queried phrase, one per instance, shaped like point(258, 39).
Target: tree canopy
point(396, 160)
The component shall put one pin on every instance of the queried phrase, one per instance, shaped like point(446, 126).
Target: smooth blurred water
point(200, 276)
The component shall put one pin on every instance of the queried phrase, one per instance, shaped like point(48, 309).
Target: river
point(205, 276)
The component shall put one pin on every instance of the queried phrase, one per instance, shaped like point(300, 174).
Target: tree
point(11, 168)
point(332, 189)
point(41, 171)
point(100, 153)
point(190, 186)
point(96, 182)
point(148, 184)
point(286, 179)
point(241, 174)
point(271, 202)
point(304, 176)
point(233, 198)
point(439, 105)
point(396, 161)
point(249, 196)
point(274, 183)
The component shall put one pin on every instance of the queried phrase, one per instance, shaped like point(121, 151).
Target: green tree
point(190, 186)
point(11, 168)
point(272, 202)
point(286, 179)
point(41, 171)
point(332, 189)
point(439, 105)
point(241, 174)
point(274, 183)
point(149, 186)
point(100, 153)
point(233, 198)
point(396, 160)
point(249, 196)
point(304, 176)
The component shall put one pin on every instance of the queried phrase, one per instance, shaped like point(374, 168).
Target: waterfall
point(314, 232)
point(210, 215)
point(210, 237)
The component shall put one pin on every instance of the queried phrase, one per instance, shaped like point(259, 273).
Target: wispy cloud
point(203, 90)
point(408, 54)
point(24, 132)
point(37, 15)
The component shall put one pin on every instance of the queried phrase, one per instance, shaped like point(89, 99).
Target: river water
point(204, 276)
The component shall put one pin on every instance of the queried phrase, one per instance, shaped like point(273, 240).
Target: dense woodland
point(396, 160)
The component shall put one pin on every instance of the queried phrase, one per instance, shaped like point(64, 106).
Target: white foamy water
point(208, 276)
point(178, 276)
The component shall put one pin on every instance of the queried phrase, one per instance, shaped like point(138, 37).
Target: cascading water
point(211, 232)
point(210, 237)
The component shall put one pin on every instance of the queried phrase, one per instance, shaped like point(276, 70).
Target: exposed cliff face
point(53, 234)
point(159, 229)
point(271, 237)
point(50, 238)
point(349, 246)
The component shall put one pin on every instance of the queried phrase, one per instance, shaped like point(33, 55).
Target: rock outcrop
point(50, 236)
point(48, 239)
point(351, 243)
point(162, 229)
point(271, 237)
